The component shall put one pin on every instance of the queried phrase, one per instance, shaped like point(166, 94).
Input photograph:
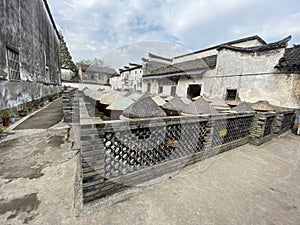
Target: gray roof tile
point(243, 107)
point(144, 107)
point(180, 67)
point(266, 47)
point(175, 104)
point(200, 106)
point(291, 60)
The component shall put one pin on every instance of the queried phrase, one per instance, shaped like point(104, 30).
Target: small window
point(13, 64)
point(173, 90)
point(160, 89)
point(194, 90)
point(231, 94)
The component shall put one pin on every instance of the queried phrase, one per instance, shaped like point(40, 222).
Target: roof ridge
point(228, 43)
point(274, 45)
point(151, 55)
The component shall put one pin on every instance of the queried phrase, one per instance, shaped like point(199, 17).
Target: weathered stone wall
point(231, 62)
point(26, 27)
point(15, 93)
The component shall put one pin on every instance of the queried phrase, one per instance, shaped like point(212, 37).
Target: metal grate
point(128, 151)
point(287, 121)
point(268, 125)
point(228, 130)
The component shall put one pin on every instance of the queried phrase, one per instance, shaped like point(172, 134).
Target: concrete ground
point(247, 185)
point(46, 118)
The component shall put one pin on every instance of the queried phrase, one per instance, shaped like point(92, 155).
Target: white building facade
point(248, 70)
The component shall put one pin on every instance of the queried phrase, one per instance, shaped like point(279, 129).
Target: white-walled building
point(115, 82)
point(247, 69)
point(130, 78)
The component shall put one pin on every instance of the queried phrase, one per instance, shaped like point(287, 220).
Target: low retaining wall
point(116, 155)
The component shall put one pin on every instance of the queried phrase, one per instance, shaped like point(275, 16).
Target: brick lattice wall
point(284, 121)
point(116, 155)
point(262, 129)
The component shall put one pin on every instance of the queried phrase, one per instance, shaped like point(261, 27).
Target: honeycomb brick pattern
point(128, 151)
point(231, 129)
point(287, 121)
point(116, 155)
point(262, 128)
point(268, 125)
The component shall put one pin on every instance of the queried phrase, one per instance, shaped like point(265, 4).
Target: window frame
point(230, 94)
point(13, 64)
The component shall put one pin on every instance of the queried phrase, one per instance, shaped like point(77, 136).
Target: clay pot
point(5, 122)
point(22, 112)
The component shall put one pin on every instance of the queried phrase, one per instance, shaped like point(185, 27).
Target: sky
point(123, 31)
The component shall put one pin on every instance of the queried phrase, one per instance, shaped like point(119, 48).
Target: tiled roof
point(255, 37)
point(144, 107)
point(115, 75)
point(200, 106)
point(158, 100)
point(243, 107)
point(175, 104)
point(266, 47)
point(120, 104)
point(127, 68)
point(219, 103)
point(191, 65)
point(158, 57)
point(211, 61)
point(291, 60)
point(151, 66)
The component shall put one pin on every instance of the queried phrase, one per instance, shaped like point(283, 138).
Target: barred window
point(13, 64)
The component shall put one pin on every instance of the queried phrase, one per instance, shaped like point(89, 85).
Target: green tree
point(95, 61)
point(66, 58)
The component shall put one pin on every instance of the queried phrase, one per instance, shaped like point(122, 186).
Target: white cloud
point(123, 55)
point(92, 27)
point(284, 26)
